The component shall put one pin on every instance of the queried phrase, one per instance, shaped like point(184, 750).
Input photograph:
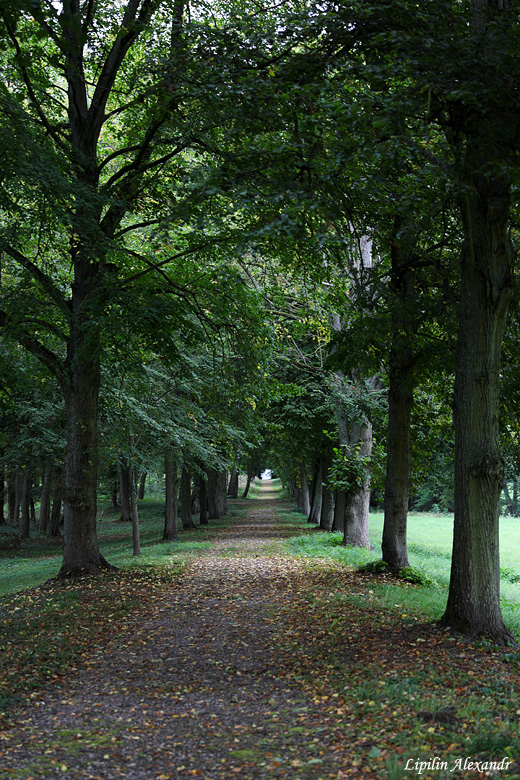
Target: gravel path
point(196, 690)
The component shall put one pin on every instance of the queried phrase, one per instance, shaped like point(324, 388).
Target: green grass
point(429, 545)
point(36, 562)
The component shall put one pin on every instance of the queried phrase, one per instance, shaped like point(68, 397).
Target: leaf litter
point(245, 663)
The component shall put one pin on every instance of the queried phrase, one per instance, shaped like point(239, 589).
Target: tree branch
point(29, 85)
point(40, 277)
point(157, 266)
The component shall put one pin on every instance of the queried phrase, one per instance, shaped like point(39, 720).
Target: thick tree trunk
point(221, 492)
point(317, 494)
point(81, 553)
point(486, 291)
point(186, 517)
point(305, 494)
point(357, 506)
point(124, 491)
point(233, 484)
point(45, 498)
point(398, 460)
point(171, 479)
point(212, 494)
point(357, 437)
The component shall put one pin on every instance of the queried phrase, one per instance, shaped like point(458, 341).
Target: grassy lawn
point(37, 561)
point(429, 540)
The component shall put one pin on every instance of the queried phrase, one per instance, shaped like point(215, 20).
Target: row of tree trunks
point(210, 494)
point(17, 497)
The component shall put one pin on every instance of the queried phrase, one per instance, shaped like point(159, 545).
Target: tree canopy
point(246, 230)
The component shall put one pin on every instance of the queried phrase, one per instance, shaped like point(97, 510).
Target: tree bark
point(221, 492)
point(57, 502)
point(45, 498)
point(317, 494)
point(125, 490)
point(18, 491)
point(250, 475)
point(305, 495)
point(327, 497)
point(142, 485)
point(25, 503)
point(398, 459)
point(203, 500)
point(212, 494)
point(233, 484)
point(136, 538)
point(357, 506)
point(186, 517)
point(81, 553)
point(486, 290)
point(170, 532)
point(2, 494)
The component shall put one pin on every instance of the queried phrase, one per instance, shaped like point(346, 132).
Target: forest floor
point(251, 664)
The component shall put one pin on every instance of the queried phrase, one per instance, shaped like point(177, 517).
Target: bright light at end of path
point(266, 474)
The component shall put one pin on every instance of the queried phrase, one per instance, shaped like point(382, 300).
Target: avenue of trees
point(246, 234)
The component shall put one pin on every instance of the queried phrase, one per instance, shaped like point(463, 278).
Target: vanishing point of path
point(197, 690)
point(233, 674)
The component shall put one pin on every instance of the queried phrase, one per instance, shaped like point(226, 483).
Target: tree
point(104, 109)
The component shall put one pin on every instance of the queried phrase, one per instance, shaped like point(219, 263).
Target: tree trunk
point(221, 492)
point(317, 494)
point(125, 490)
point(398, 460)
point(327, 497)
point(142, 485)
point(212, 495)
point(45, 498)
point(357, 506)
point(136, 539)
point(18, 492)
point(81, 553)
point(250, 475)
point(114, 477)
point(186, 517)
point(57, 501)
point(514, 506)
point(203, 500)
point(25, 503)
point(305, 496)
point(2, 494)
point(171, 479)
point(233, 484)
point(11, 495)
point(486, 290)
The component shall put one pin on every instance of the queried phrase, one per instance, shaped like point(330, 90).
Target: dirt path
point(196, 690)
